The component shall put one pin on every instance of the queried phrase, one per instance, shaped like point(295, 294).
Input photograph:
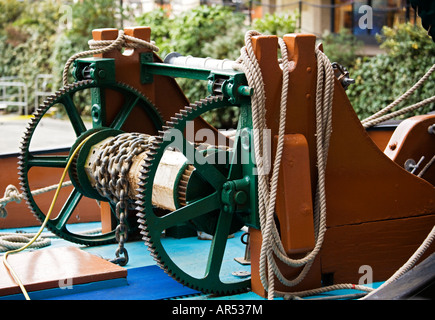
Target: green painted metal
point(101, 70)
point(231, 83)
point(82, 187)
point(223, 200)
point(77, 172)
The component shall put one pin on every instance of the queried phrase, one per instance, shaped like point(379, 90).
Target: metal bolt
point(240, 197)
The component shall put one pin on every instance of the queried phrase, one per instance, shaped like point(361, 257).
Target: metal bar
point(164, 69)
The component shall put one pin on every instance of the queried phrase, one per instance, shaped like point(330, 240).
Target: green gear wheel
point(28, 159)
point(207, 206)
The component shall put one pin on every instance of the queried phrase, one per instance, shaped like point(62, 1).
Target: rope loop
point(381, 115)
point(267, 189)
point(103, 46)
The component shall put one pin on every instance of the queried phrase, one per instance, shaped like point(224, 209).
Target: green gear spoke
point(48, 161)
point(73, 114)
point(67, 210)
point(206, 170)
point(188, 212)
point(218, 245)
point(59, 224)
point(125, 112)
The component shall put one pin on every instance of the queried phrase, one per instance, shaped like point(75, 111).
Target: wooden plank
point(417, 283)
point(383, 246)
point(54, 268)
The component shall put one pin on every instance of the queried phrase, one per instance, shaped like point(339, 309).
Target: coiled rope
point(11, 240)
point(104, 46)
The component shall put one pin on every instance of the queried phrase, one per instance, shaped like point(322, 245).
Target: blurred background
point(380, 42)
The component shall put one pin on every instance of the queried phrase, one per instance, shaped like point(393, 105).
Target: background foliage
point(33, 41)
point(209, 31)
point(379, 80)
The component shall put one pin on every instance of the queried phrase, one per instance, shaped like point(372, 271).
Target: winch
point(319, 196)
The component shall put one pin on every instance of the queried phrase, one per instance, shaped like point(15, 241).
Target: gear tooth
point(141, 184)
point(139, 196)
point(140, 214)
point(158, 139)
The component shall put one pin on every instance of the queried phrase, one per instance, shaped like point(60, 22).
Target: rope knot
point(103, 46)
point(11, 194)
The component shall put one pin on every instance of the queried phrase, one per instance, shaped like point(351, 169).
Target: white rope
point(13, 195)
point(397, 113)
point(103, 46)
point(267, 189)
point(379, 116)
point(13, 241)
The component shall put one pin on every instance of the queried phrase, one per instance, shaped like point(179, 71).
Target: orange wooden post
point(294, 205)
point(377, 212)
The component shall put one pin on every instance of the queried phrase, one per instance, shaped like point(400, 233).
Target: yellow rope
point(5, 262)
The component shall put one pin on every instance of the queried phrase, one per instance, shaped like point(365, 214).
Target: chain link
point(110, 172)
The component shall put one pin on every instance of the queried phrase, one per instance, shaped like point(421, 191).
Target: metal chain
point(110, 173)
point(110, 170)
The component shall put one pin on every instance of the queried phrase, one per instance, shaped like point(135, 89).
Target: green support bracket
point(231, 84)
point(101, 70)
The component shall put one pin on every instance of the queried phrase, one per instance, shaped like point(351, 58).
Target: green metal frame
point(230, 202)
point(96, 75)
point(231, 84)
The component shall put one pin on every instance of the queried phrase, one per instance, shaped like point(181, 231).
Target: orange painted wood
point(380, 137)
point(312, 280)
point(412, 140)
point(56, 267)
point(363, 185)
point(384, 246)
point(295, 205)
point(19, 214)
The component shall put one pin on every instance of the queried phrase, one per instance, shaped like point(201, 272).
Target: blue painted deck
point(145, 280)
